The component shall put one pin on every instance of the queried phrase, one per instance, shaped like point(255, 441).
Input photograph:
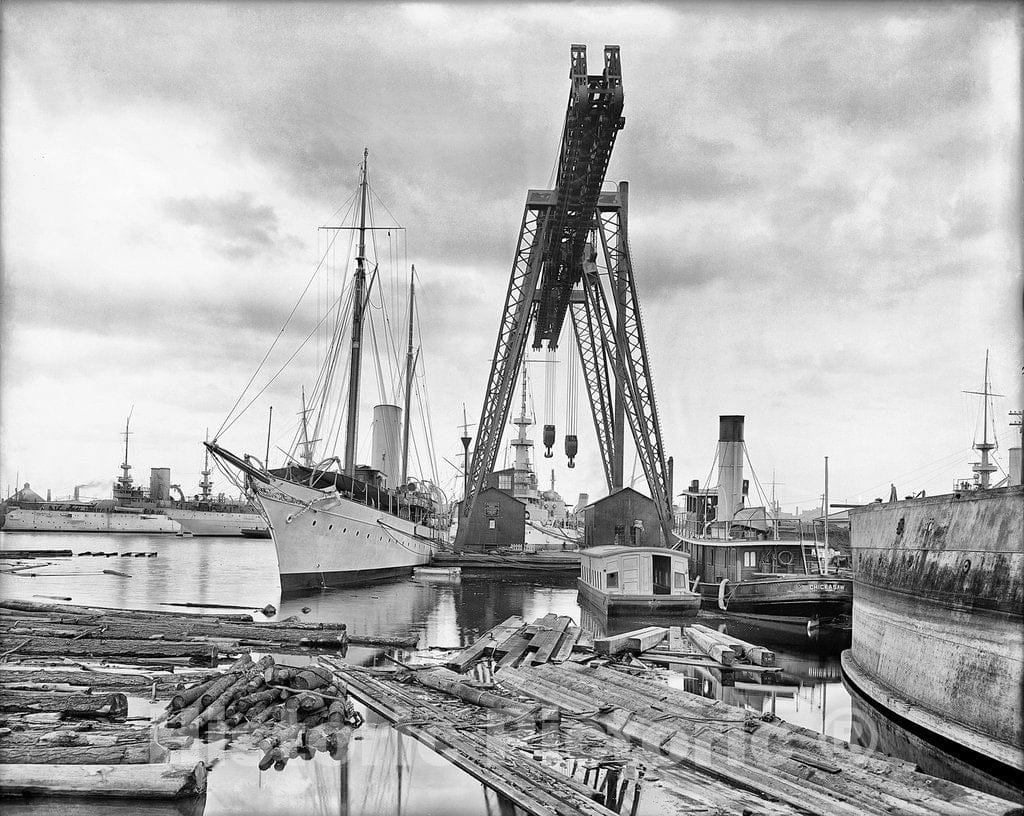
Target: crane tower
point(555, 274)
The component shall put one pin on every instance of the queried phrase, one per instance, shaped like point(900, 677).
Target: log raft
point(156, 781)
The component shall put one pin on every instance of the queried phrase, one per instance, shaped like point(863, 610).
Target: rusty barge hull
point(938, 633)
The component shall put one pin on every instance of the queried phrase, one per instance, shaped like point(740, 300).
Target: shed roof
point(619, 492)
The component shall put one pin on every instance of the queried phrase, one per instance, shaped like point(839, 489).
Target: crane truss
point(555, 274)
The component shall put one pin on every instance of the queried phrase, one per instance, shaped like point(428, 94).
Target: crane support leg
point(508, 352)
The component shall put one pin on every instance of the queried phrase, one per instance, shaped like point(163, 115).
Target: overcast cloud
point(824, 217)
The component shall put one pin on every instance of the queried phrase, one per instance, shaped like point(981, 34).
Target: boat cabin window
point(490, 524)
point(750, 558)
point(613, 580)
point(679, 580)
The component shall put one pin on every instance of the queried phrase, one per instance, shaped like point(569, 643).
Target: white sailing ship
point(333, 523)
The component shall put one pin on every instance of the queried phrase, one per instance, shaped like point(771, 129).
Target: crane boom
point(592, 120)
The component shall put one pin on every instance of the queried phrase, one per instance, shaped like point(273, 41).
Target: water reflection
point(387, 772)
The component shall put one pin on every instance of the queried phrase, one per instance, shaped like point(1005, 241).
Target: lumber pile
point(512, 642)
point(780, 762)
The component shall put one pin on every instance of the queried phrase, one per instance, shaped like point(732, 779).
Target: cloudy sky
point(824, 218)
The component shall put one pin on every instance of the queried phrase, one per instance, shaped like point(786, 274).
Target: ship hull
point(806, 597)
point(676, 606)
point(88, 522)
point(937, 626)
point(325, 540)
point(214, 523)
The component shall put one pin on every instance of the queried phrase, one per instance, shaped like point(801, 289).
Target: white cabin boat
point(620, 580)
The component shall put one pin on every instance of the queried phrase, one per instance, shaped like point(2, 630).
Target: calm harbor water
point(387, 772)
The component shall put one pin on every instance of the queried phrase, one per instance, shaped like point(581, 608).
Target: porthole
point(966, 568)
point(344, 529)
point(288, 520)
point(330, 526)
point(314, 522)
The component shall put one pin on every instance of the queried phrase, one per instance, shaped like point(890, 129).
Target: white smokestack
point(730, 466)
point(387, 442)
point(1015, 467)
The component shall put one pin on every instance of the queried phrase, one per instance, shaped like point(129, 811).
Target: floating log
point(710, 646)
point(198, 653)
point(35, 554)
point(81, 755)
point(112, 706)
point(151, 781)
point(630, 641)
point(98, 681)
point(449, 682)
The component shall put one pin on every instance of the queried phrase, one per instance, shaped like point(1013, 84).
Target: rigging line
point(757, 483)
point(425, 409)
point(224, 425)
point(271, 380)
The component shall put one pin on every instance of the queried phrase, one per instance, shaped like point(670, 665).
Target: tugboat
point(745, 561)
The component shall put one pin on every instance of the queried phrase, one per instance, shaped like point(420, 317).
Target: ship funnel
point(160, 484)
point(730, 466)
point(387, 442)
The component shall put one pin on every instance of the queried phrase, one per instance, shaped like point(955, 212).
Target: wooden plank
point(676, 641)
point(517, 650)
point(569, 638)
point(156, 781)
point(547, 641)
point(488, 640)
point(648, 640)
point(620, 643)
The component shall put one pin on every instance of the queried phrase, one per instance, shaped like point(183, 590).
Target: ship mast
point(206, 484)
point(357, 332)
point(984, 469)
point(124, 481)
point(410, 364)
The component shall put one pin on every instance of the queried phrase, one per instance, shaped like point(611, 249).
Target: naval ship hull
point(87, 521)
point(938, 634)
point(214, 522)
point(326, 540)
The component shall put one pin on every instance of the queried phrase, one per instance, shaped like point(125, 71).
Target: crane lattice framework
point(555, 273)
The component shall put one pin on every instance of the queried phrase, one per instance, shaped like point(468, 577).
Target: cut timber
point(113, 706)
point(487, 641)
point(196, 652)
point(572, 634)
point(647, 640)
point(158, 781)
point(517, 646)
point(758, 655)
point(616, 644)
point(710, 646)
point(547, 640)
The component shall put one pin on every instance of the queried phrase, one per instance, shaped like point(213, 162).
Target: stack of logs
point(285, 711)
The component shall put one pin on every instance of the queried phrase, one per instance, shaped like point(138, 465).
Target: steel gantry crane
point(555, 273)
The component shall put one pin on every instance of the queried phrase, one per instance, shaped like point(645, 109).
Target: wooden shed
point(626, 518)
point(498, 520)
